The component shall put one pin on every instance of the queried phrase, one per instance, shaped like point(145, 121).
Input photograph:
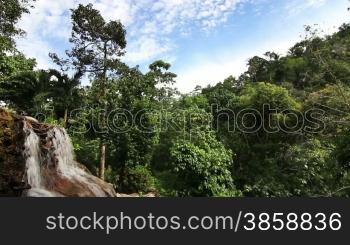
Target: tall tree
point(97, 47)
point(12, 61)
point(27, 91)
point(10, 13)
point(67, 88)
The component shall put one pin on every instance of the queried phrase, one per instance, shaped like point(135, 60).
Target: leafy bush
point(136, 179)
point(86, 152)
point(309, 169)
point(342, 152)
point(306, 169)
point(111, 176)
point(203, 166)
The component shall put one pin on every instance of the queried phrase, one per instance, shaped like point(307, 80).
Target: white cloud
point(216, 69)
point(145, 48)
point(37, 48)
point(297, 6)
point(153, 26)
point(209, 73)
point(149, 24)
point(168, 17)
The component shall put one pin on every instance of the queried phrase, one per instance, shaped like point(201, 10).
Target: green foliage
point(196, 144)
point(27, 91)
point(306, 169)
point(10, 13)
point(97, 44)
point(13, 64)
point(45, 92)
point(203, 166)
point(12, 61)
point(342, 151)
point(137, 179)
point(255, 96)
point(309, 169)
point(86, 151)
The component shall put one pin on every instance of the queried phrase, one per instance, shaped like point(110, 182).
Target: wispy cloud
point(149, 23)
point(297, 6)
point(156, 29)
point(216, 69)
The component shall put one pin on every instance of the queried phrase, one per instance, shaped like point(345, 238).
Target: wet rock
point(60, 174)
point(12, 163)
point(31, 119)
point(137, 195)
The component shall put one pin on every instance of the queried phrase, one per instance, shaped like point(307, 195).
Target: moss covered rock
point(12, 163)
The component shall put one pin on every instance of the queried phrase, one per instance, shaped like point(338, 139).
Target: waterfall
point(67, 167)
point(32, 155)
point(51, 169)
point(62, 151)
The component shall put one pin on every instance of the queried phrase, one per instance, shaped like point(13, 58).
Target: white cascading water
point(60, 156)
point(33, 164)
point(32, 155)
point(62, 151)
point(67, 166)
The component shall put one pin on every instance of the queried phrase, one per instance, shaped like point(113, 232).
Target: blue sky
point(204, 40)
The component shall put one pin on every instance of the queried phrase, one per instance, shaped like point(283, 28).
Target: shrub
point(137, 179)
point(203, 166)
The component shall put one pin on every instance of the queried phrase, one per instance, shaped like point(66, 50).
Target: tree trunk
point(102, 160)
point(65, 117)
point(102, 143)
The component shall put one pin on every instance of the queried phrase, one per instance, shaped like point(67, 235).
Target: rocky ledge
point(77, 181)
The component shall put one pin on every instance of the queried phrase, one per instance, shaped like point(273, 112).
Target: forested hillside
point(281, 129)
